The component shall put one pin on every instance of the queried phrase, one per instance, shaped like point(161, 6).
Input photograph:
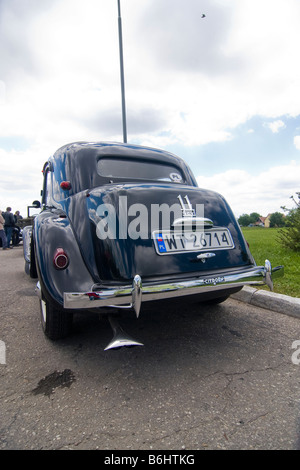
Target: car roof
point(115, 149)
point(83, 156)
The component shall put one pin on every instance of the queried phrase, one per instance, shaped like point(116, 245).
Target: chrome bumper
point(132, 296)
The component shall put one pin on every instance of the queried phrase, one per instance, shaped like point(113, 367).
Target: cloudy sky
point(223, 91)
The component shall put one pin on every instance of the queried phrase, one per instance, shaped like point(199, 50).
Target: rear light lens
point(65, 185)
point(60, 259)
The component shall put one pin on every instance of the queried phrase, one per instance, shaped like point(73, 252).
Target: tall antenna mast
point(122, 74)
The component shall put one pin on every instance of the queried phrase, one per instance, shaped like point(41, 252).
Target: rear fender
point(52, 232)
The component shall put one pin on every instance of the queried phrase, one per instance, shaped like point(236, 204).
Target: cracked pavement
point(208, 377)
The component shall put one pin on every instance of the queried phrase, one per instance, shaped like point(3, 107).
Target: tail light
point(60, 259)
point(65, 185)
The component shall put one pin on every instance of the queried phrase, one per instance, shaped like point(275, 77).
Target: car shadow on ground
point(171, 332)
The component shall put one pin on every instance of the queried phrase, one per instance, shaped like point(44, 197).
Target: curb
point(277, 302)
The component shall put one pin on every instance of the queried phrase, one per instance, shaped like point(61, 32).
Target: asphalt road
point(208, 377)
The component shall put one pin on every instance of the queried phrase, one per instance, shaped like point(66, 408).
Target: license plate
point(167, 242)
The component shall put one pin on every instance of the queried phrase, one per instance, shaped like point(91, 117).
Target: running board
point(120, 338)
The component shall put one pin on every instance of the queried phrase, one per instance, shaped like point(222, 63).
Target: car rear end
point(159, 238)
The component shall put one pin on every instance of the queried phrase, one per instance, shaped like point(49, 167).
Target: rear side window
point(139, 170)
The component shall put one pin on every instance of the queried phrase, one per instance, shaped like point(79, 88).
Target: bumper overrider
point(133, 295)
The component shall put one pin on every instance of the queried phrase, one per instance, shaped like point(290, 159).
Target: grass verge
point(264, 244)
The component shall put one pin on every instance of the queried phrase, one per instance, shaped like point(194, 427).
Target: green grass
point(264, 244)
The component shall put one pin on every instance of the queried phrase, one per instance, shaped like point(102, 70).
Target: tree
point(277, 220)
point(246, 219)
point(290, 236)
point(254, 216)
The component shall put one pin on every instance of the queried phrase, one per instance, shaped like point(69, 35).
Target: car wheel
point(56, 322)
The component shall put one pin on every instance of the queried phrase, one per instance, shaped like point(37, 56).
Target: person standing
point(9, 225)
point(17, 228)
point(2, 233)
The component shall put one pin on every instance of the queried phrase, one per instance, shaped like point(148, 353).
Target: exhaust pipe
point(120, 338)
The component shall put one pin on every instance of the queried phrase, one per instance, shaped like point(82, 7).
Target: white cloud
point(297, 142)
point(223, 70)
point(275, 126)
point(188, 80)
point(264, 192)
point(218, 71)
point(21, 178)
point(2, 92)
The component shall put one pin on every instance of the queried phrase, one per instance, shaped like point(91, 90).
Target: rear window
point(138, 170)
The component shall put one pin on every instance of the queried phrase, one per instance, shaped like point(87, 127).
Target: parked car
point(124, 224)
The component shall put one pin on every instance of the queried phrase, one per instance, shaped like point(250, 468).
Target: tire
point(56, 322)
point(32, 267)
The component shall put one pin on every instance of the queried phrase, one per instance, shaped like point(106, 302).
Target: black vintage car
point(124, 224)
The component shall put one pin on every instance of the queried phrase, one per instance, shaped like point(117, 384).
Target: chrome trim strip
point(206, 255)
point(190, 221)
point(132, 295)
